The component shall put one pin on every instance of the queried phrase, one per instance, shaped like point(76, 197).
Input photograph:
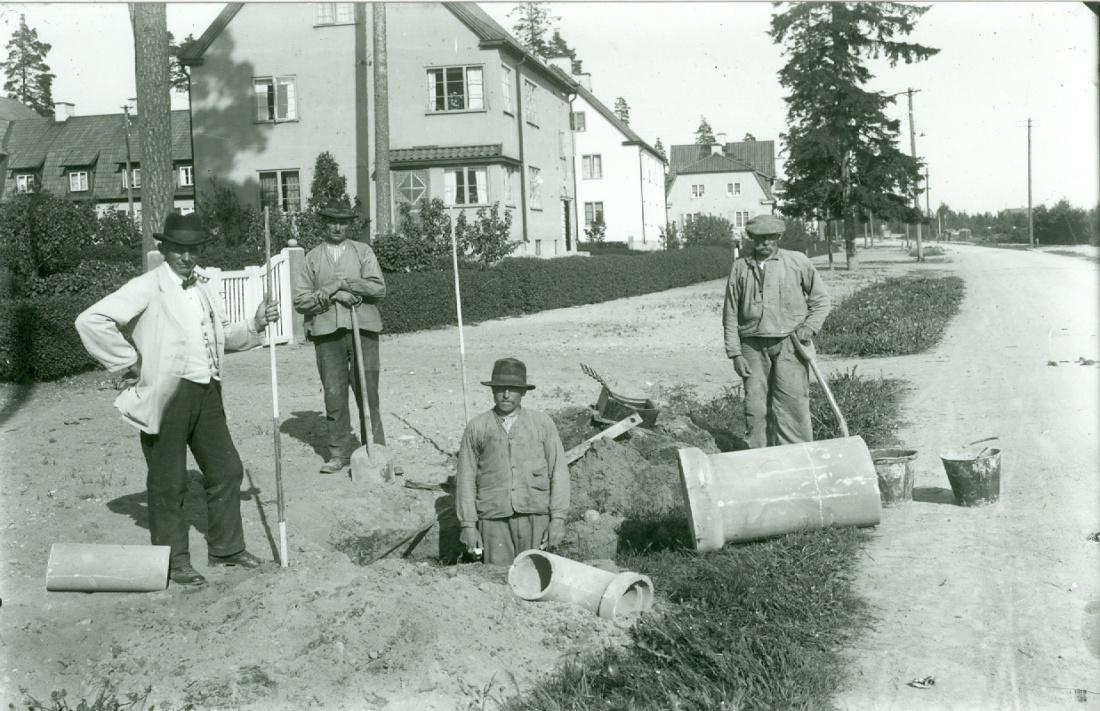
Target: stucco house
point(473, 118)
point(733, 181)
point(83, 158)
point(620, 176)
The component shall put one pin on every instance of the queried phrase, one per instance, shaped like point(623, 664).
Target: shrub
point(708, 230)
point(489, 238)
point(91, 279)
point(422, 240)
point(516, 286)
point(38, 341)
point(597, 231)
point(42, 234)
point(113, 253)
point(670, 237)
point(115, 228)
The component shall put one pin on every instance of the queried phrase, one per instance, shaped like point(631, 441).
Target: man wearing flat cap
point(337, 276)
point(512, 488)
point(171, 391)
point(773, 295)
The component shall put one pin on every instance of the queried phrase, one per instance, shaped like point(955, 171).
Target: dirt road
point(984, 599)
point(1000, 604)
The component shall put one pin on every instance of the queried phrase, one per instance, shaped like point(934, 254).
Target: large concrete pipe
point(758, 493)
point(537, 575)
point(94, 567)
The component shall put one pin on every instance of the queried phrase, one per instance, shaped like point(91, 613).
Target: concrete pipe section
point(760, 493)
point(93, 567)
point(621, 597)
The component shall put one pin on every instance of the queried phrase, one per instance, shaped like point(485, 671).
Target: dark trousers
point(194, 418)
point(336, 365)
point(777, 394)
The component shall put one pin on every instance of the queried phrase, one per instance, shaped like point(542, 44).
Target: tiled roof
point(624, 128)
point(11, 109)
point(758, 154)
point(96, 142)
point(445, 154)
point(716, 163)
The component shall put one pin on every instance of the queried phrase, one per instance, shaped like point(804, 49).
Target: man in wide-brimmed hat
point(773, 295)
point(171, 391)
point(512, 489)
point(335, 277)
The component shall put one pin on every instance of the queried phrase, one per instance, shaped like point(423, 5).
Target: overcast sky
point(1000, 63)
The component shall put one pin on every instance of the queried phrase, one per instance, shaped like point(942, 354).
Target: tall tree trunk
point(850, 231)
point(383, 203)
point(154, 118)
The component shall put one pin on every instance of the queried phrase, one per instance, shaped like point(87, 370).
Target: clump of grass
point(899, 316)
point(107, 699)
point(749, 627)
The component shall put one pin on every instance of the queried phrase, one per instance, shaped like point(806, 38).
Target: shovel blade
point(371, 466)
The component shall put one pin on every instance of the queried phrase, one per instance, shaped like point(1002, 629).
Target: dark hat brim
point(337, 213)
point(499, 384)
point(184, 238)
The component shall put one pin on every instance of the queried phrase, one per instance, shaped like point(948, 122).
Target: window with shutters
point(276, 99)
point(506, 89)
point(577, 121)
point(280, 190)
point(455, 89)
point(136, 182)
point(465, 186)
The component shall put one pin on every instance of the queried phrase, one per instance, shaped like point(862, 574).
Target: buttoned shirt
point(200, 356)
point(772, 301)
point(502, 472)
point(318, 277)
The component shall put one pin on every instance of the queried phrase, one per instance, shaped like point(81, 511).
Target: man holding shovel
point(335, 277)
point(171, 391)
point(772, 294)
point(512, 488)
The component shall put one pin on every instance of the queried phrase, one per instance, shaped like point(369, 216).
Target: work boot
point(244, 559)
point(184, 574)
point(334, 465)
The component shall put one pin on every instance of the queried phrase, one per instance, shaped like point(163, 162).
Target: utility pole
point(913, 148)
point(382, 200)
point(928, 199)
point(129, 171)
point(1030, 223)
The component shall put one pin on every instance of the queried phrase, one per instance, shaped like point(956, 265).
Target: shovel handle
point(361, 369)
point(805, 355)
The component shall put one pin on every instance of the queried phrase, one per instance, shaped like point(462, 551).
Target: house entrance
point(566, 226)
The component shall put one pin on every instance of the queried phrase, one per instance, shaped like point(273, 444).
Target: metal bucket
point(895, 471)
point(975, 480)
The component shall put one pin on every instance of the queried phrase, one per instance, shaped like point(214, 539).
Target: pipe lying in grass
point(759, 493)
point(92, 567)
point(537, 575)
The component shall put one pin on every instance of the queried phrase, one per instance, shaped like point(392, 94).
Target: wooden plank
point(611, 432)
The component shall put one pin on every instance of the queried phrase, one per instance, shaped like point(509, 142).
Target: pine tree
point(328, 188)
point(558, 47)
point(704, 135)
point(177, 75)
point(28, 77)
point(622, 110)
point(843, 154)
point(660, 148)
point(533, 21)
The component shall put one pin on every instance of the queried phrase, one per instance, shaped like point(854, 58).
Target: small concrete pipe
point(94, 567)
point(759, 493)
point(537, 575)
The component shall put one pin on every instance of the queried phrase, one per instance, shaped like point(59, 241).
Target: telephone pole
point(913, 148)
point(129, 172)
point(1030, 224)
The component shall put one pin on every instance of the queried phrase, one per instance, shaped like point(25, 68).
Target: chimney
point(62, 111)
point(585, 80)
point(749, 137)
point(563, 63)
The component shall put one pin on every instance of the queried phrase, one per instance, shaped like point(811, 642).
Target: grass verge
point(753, 626)
point(899, 316)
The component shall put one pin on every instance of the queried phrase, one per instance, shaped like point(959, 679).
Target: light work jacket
point(772, 301)
point(521, 471)
point(317, 278)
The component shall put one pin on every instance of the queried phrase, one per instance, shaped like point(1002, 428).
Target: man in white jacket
point(172, 391)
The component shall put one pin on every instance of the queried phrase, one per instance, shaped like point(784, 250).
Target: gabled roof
point(12, 109)
point(86, 142)
point(449, 155)
point(758, 154)
point(716, 163)
point(632, 138)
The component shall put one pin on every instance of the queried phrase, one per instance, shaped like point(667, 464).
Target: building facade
point(473, 119)
point(709, 180)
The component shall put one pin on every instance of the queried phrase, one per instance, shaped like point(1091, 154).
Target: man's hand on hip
point(741, 366)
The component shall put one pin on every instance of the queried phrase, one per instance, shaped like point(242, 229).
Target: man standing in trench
point(335, 277)
point(773, 294)
point(172, 392)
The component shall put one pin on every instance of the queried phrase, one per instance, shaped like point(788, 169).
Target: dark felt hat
point(336, 211)
point(186, 230)
point(765, 226)
point(509, 373)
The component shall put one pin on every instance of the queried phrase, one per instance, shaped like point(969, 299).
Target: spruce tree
point(622, 110)
point(843, 150)
point(28, 77)
point(328, 188)
point(660, 148)
point(533, 21)
point(177, 75)
point(704, 135)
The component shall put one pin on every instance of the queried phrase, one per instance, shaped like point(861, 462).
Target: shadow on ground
point(308, 427)
point(933, 495)
point(136, 505)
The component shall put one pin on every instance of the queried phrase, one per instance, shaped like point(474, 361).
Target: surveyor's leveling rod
point(269, 290)
point(458, 311)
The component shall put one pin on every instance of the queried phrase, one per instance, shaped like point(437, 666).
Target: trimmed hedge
point(38, 340)
point(422, 300)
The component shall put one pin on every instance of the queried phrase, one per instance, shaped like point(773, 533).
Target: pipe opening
point(634, 601)
point(530, 575)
